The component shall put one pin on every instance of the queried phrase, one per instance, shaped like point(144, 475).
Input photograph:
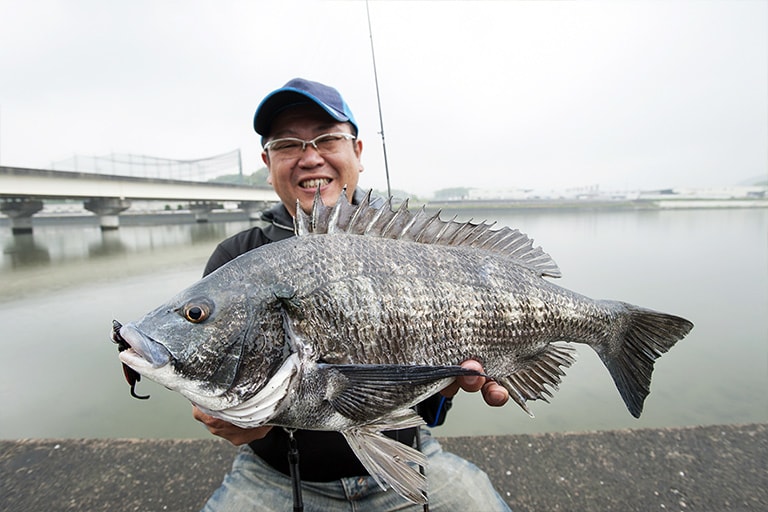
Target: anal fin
point(542, 370)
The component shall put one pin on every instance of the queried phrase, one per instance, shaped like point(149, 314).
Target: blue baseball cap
point(299, 92)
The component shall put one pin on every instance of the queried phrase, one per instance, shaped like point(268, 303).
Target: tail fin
point(629, 358)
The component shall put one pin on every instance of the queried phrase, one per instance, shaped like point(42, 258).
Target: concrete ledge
point(713, 468)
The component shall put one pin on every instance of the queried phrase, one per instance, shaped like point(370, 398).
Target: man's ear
point(265, 159)
point(359, 153)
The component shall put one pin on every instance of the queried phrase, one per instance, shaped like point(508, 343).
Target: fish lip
point(143, 349)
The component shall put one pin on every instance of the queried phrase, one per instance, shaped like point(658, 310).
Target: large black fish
point(366, 312)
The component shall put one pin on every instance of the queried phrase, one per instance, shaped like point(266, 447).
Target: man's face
point(298, 177)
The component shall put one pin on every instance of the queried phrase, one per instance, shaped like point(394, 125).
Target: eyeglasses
point(324, 144)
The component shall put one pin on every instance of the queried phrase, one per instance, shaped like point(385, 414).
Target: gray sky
point(534, 94)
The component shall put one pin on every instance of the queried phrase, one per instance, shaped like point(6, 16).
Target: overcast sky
point(530, 94)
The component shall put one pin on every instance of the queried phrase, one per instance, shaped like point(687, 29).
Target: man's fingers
point(494, 394)
point(451, 390)
point(207, 420)
point(471, 383)
point(232, 433)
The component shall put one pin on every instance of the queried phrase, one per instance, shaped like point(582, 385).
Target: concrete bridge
point(23, 192)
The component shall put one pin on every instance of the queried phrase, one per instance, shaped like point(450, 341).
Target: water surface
point(61, 287)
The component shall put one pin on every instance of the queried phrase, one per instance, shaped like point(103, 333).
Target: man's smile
point(313, 183)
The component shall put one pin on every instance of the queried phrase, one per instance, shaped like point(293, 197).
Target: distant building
point(728, 192)
point(594, 193)
point(488, 194)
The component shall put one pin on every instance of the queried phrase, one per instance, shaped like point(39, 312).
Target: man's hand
point(493, 393)
point(228, 431)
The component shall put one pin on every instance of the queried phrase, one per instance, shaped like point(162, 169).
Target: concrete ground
point(712, 468)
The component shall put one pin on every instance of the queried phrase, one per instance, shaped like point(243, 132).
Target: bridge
point(23, 192)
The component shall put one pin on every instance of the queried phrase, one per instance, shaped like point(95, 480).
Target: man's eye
point(285, 145)
point(328, 141)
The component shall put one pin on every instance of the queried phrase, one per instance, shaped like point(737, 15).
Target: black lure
point(131, 375)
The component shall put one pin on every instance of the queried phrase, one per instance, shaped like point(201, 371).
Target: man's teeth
point(313, 184)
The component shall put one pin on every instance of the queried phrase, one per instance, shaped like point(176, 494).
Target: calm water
point(61, 287)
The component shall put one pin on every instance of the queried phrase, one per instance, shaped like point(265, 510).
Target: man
point(310, 140)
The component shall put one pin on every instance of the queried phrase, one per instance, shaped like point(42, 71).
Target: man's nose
point(310, 156)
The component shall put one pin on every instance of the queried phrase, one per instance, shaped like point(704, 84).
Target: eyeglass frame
point(304, 143)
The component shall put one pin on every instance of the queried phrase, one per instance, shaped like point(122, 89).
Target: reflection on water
point(63, 285)
point(54, 244)
point(23, 251)
point(60, 255)
point(111, 243)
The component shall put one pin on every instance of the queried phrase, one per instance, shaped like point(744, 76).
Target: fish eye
point(196, 313)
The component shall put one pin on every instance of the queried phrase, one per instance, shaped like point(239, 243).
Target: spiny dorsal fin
point(421, 227)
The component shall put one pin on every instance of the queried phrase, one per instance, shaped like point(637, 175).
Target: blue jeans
point(454, 484)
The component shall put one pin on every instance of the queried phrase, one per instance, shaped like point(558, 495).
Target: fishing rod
point(378, 100)
point(386, 170)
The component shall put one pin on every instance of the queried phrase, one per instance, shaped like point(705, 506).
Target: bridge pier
point(201, 209)
point(20, 210)
point(108, 209)
point(253, 208)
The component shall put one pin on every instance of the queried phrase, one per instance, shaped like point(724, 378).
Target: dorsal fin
point(422, 227)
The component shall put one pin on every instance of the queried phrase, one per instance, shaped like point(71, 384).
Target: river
point(61, 287)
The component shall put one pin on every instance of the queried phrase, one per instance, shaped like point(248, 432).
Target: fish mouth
point(141, 355)
point(138, 350)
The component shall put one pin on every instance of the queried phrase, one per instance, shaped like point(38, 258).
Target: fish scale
point(404, 298)
point(367, 312)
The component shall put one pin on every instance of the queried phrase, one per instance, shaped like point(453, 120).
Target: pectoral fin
point(364, 392)
point(389, 462)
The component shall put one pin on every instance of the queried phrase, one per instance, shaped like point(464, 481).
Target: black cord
point(422, 470)
point(293, 464)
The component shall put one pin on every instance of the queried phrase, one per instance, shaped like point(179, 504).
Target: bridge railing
point(144, 166)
